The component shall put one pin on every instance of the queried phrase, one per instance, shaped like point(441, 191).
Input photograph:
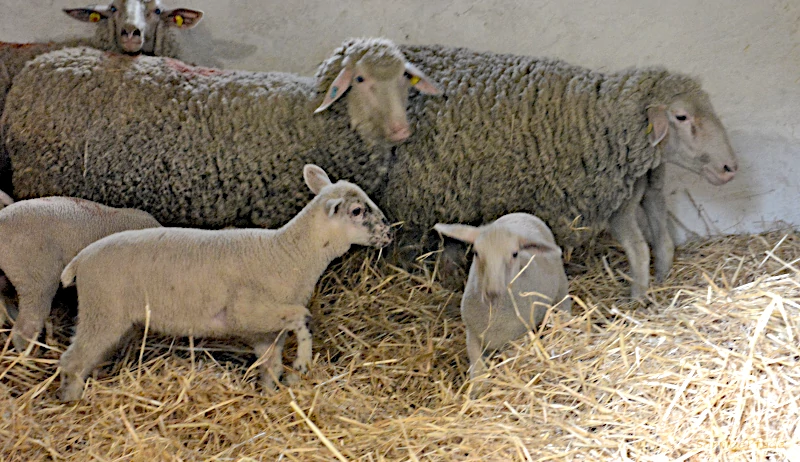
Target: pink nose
point(728, 171)
point(399, 131)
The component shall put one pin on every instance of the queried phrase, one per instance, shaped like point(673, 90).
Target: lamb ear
point(422, 82)
point(332, 206)
point(464, 233)
point(337, 88)
point(182, 18)
point(89, 14)
point(315, 177)
point(539, 247)
point(657, 124)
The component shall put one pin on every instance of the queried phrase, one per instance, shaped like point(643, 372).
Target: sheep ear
point(539, 247)
point(315, 177)
point(332, 206)
point(5, 199)
point(337, 88)
point(464, 233)
point(657, 124)
point(422, 82)
point(182, 18)
point(89, 14)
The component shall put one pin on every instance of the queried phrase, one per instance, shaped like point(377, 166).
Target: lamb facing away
point(38, 237)
point(204, 147)
point(580, 148)
point(248, 283)
point(515, 277)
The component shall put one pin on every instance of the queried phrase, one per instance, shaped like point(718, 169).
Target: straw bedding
point(706, 371)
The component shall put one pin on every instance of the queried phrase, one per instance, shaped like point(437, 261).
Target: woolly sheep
point(38, 237)
point(137, 26)
point(154, 34)
point(225, 143)
point(518, 133)
point(247, 283)
point(515, 276)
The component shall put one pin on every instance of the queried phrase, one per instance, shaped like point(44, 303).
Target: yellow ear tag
point(649, 128)
point(94, 17)
point(414, 80)
point(178, 20)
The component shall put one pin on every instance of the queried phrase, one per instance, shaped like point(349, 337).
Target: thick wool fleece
point(520, 134)
point(193, 146)
point(14, 56)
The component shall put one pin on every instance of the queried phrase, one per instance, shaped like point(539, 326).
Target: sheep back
point(516, 133)
point(193, 146)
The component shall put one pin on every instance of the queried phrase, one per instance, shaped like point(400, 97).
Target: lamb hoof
point(661, 275)
point(69, 392)
point(292, 378)
point(20, 342)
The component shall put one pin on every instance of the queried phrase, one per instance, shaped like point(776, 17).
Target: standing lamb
point(515, 277)
point(123, 26)
point(38, 237)
point(204, 147)
point(248, 283)
point(581, 148)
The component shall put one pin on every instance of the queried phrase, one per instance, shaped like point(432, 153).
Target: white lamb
point(516, 275)
point(248, 283)
point(38, 237)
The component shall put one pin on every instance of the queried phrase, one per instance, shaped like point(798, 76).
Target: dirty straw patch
point(706, 371)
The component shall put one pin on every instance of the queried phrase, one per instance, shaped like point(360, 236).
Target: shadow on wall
point(199, 47)
point(699, 208)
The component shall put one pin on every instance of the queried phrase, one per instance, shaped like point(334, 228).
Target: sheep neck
point(308, 244)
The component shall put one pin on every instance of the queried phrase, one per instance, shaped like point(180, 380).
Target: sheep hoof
point(20, 342)
point(661, 275)
point(69, 392)
point(292, 378)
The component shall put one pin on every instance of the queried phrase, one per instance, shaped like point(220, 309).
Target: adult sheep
point(204, 147)
point(582, 149)
point(123, 26)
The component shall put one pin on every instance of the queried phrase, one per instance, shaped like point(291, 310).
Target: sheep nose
point(730, 168)
point(399, 131)
point(130, 31)
point(491, 297)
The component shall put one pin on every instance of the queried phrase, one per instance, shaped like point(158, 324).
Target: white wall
point(747, 54)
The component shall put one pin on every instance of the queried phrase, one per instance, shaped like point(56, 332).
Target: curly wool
point(382, 55)
point(520, 134)
point(193, 146)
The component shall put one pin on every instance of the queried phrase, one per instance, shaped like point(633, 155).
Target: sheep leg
point(34, 308)
point(477, 364)
point(272, 367)
point(625, 229)
point(89, 347)
point(290, 317)
point(655, 208)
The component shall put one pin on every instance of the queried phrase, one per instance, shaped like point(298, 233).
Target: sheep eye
point(356, 211)
point(359, 79)
point(515, 255)
point(113, 9)
point(680, 118)
point(157, 11)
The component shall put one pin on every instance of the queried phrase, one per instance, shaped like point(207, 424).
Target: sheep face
point(350, 212)
point(693, 137)
point(135, 22)
point(499, 255)
point(378, 81)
